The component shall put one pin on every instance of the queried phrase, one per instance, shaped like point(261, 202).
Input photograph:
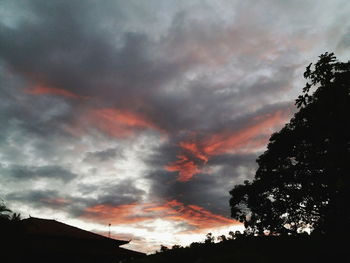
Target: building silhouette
point(44, 240)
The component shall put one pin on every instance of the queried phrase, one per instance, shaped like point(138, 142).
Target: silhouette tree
point(231, 235)
point(5, 213)
point(209, 238)
point(15, 217)
point(176, 247)
point(163, 248)
point(303, 176)
point(222, 238)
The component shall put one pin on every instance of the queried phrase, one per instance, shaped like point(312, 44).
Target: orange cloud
point(41, 90)
point(122, 214)
point(194, 149)
point(195, 154)
point(113, 122)
point(186, 168)
point(196, 217)
point(119, 123)
point(226, 141)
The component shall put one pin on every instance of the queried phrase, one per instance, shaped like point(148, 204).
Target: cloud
point(119, 123)
point(245, 139)
point(40, 198)
point(115, 193)
point(40, 90)
point(210, 163)
point(195, 217)
point(20, 172)
point(210, 188)
point(104, 155)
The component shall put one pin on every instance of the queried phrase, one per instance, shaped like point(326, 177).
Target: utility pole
point(109, 230)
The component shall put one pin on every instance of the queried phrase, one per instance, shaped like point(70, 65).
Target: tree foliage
point(303, 177)
point(209, 238)
point(5, 213)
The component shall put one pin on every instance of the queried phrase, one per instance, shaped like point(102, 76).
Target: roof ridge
point(89, 234)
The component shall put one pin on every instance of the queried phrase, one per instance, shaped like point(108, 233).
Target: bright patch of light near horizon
point(164, 233)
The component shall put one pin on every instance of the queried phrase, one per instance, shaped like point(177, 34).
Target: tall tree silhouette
point(303, 176)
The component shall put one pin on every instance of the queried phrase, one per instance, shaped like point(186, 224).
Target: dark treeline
point(271, 249)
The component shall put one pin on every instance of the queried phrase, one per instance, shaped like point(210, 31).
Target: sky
point(145, 114)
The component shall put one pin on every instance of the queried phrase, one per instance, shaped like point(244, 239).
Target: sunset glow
point(196, 218)
point(43, 90)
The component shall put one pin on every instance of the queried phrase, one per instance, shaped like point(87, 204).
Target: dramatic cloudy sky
point(144, 114)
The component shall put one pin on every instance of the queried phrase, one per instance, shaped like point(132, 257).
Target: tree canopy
point(303, 177)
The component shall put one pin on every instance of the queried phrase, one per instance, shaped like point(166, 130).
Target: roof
point(53, 228)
